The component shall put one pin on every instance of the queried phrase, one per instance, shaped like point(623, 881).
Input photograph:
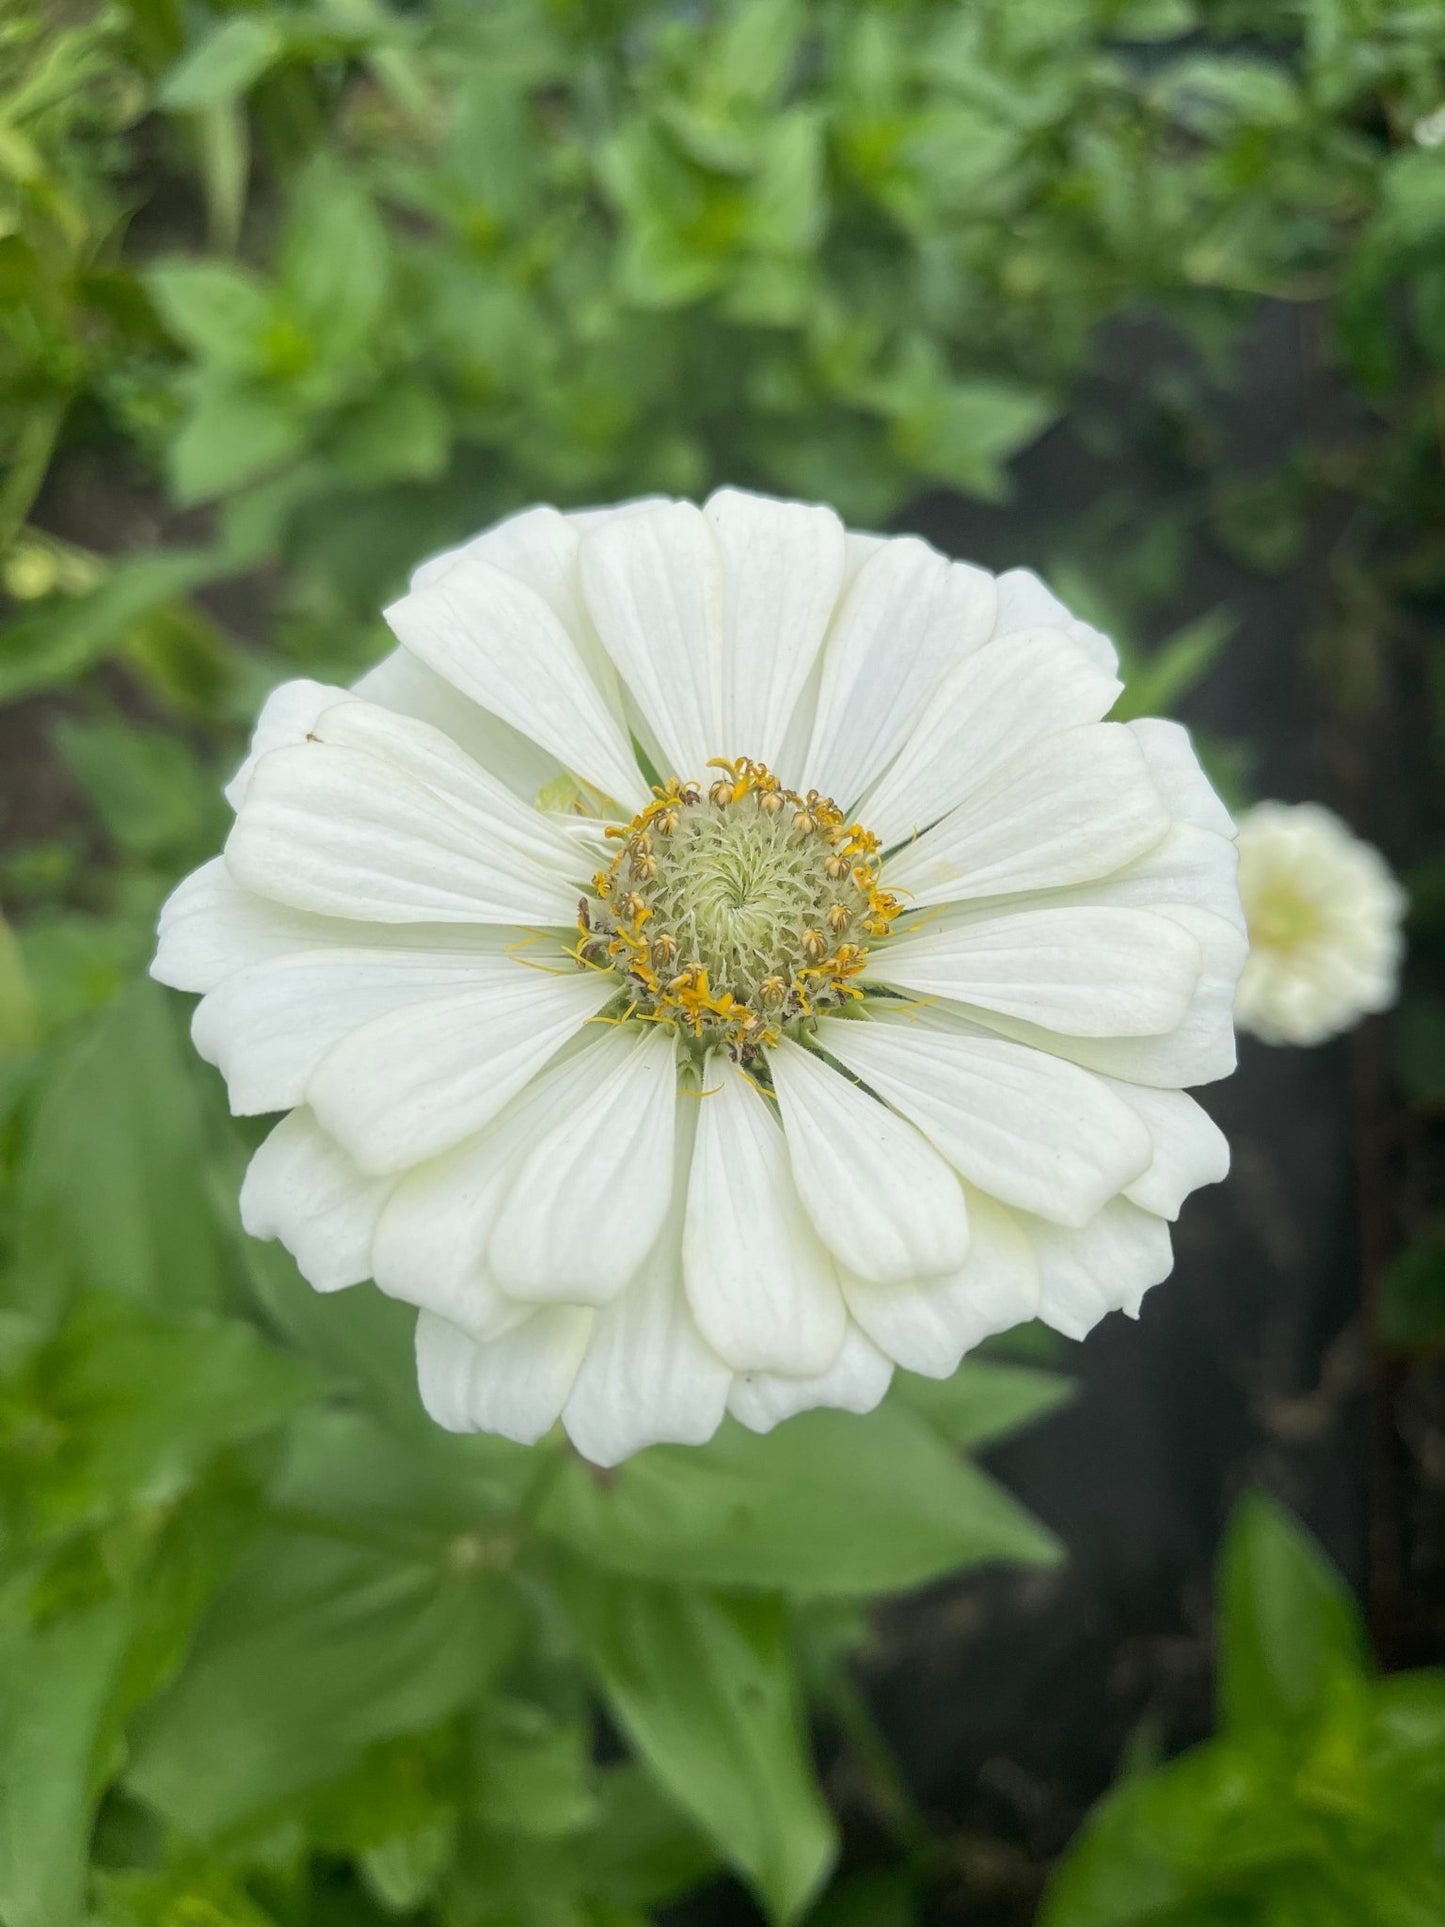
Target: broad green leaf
point(217, 310)
point(984, 1400)
point(1412, 1291)
point(66, 636)
point(314, 1649)
point(533, 1772)
point(643, 1852)
point(154, 798)
point(333, 262)
point(704, 1688)
point(112, 1187)
point(224, 64)
point(233, 434)
point(829, 1503)
point(1289, 1631)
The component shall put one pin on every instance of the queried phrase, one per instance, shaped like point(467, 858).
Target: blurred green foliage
point(291, 295)
point(1319, 1801)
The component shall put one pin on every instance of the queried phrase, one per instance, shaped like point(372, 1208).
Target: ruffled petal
point(287, 715)
point(586, 1204)
point(782, 566)
point(380, 817)
point(1024, 602)
point(210, 928)
point(1190, 1150)
point(762, 1287)
point(402, 683)
point(928, 1324)
point(417, 1081)
point(1106, 1266)
point(302, 1188)
point(515, 1385)
point(988, 709)
point(653, 584)
point(1187, 792)
point(879, 1196)
point(1075, 806)
point(1023, 1126)
point(496, 640)
point(854, 1382)
point(649, 1377)
point(267, 1027)
point(1092, 972)
point(908, 616)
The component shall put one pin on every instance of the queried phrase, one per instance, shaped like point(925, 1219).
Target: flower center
point(735, 913)
point(1281, 918)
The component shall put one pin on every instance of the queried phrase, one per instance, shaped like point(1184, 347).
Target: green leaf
point(68, 635)
point(112, 1187)
point(154, 798)
point(1157, 681)
point(232, 435)
point(333, 262)
point(533, 1772)
point(984, 1400)
point(314, 1650)
point(829, 1503)
point(219, 311)
point(223, 64)
point(705, 1689)
point(1289, 1631)
point(1412, 1291)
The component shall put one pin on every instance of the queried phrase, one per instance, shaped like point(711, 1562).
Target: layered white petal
point(782, 572)
point(854, 1382)
point(287, 714)
point(1188, 794)
point(1025, 1127)
point(762, 1287)
point(928, 1324)
point(267, 1027)
point(356, 832)
point(515, 1385)
point(429, 1248)
point(496, 640)
point(879, 1196)
point(649, 1377)
point(1024, 602)
point(210, 928)
point(1094, 972)
point(1190, 1150)
point(586, 1204)
point(986, 710)
point(302, 1188)
point(1074, 806)
point(1108, 1265)
point(653, 584)
point(402, 683)
point(419, 1080)
point(907, 617)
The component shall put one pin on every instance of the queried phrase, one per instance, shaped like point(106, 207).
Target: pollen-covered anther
point(722, 910)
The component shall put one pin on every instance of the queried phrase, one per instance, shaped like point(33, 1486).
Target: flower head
point(715, 959)
point(1324, 915)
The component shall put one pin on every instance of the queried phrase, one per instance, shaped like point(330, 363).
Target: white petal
point(420, 1080)
point(649, 1377)
point(585, 1206)
point(515, 1385)
point(1024, 602)
point(498, 642)
point(267, 1027)
point(430, 1242)
point(1074, 806)
point(1190, 867)
point(855, 1382)
point(402, 683)
point(1021, 1125)
point(782, 572)
point(1201, 1046)
point(286, 716)
point(879, 1196)
point(380, 817)
point(927, 1324)
point(654, 589)
point(210, 928)
point(302, 1188)
point(1092, 972)
point(762, 1287)
point(1188, 794)
point(1106, 1266)
point(1190, 1150)
point(907, 618)
point(986, 710)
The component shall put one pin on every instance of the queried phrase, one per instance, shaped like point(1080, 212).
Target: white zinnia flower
point(1324, 914)
point(664, 1089)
